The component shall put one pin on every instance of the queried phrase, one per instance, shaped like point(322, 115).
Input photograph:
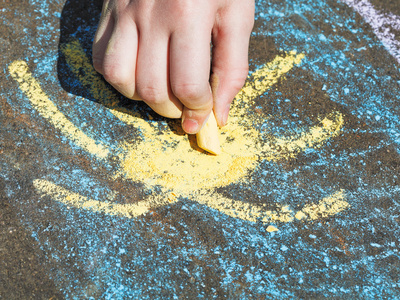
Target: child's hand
point(158, 51)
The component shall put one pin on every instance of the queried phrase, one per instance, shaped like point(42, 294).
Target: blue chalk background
point(187, 249)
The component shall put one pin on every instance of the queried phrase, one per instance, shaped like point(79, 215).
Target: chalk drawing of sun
point(171, 161)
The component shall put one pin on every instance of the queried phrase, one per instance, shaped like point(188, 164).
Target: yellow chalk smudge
point(40, 101)
point(327, 207)
point(67, 197)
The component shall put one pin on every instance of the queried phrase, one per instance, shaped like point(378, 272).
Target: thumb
point(230, 58)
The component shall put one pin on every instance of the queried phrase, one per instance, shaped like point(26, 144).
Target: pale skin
point(158, 51)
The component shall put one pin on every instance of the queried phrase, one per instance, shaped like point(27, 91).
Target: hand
point(158, 51)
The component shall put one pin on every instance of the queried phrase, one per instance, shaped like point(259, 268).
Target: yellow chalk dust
point(271, 228)
point(168, 160)
point(300, 215)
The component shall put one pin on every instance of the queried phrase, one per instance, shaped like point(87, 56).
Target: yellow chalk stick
point(208, 136)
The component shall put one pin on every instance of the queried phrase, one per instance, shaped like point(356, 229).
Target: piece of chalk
point(208, 136)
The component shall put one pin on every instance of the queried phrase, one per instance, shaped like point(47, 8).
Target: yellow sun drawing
point(169, 160)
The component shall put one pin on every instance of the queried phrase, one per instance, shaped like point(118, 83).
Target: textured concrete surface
point(312, 213)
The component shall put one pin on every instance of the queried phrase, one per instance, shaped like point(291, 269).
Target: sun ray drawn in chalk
point(325, 208)
point(40, 101)
point(69, 198)
point(168, 161)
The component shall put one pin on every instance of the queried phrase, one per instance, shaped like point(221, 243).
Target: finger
point(189, 72)
point(230, 60)
point(119, 62)
point(102, 36)
point(152, 78)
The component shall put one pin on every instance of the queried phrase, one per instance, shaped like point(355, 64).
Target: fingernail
point(205, 121)
point(190, 126)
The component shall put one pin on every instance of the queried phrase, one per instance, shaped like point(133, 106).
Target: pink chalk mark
point(383, 24)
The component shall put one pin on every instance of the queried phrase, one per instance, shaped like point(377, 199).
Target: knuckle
point(182, 8)
point(238, 81)
point(152, 94)
point(237, 77)
point(113, 75)
point(187, 91)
